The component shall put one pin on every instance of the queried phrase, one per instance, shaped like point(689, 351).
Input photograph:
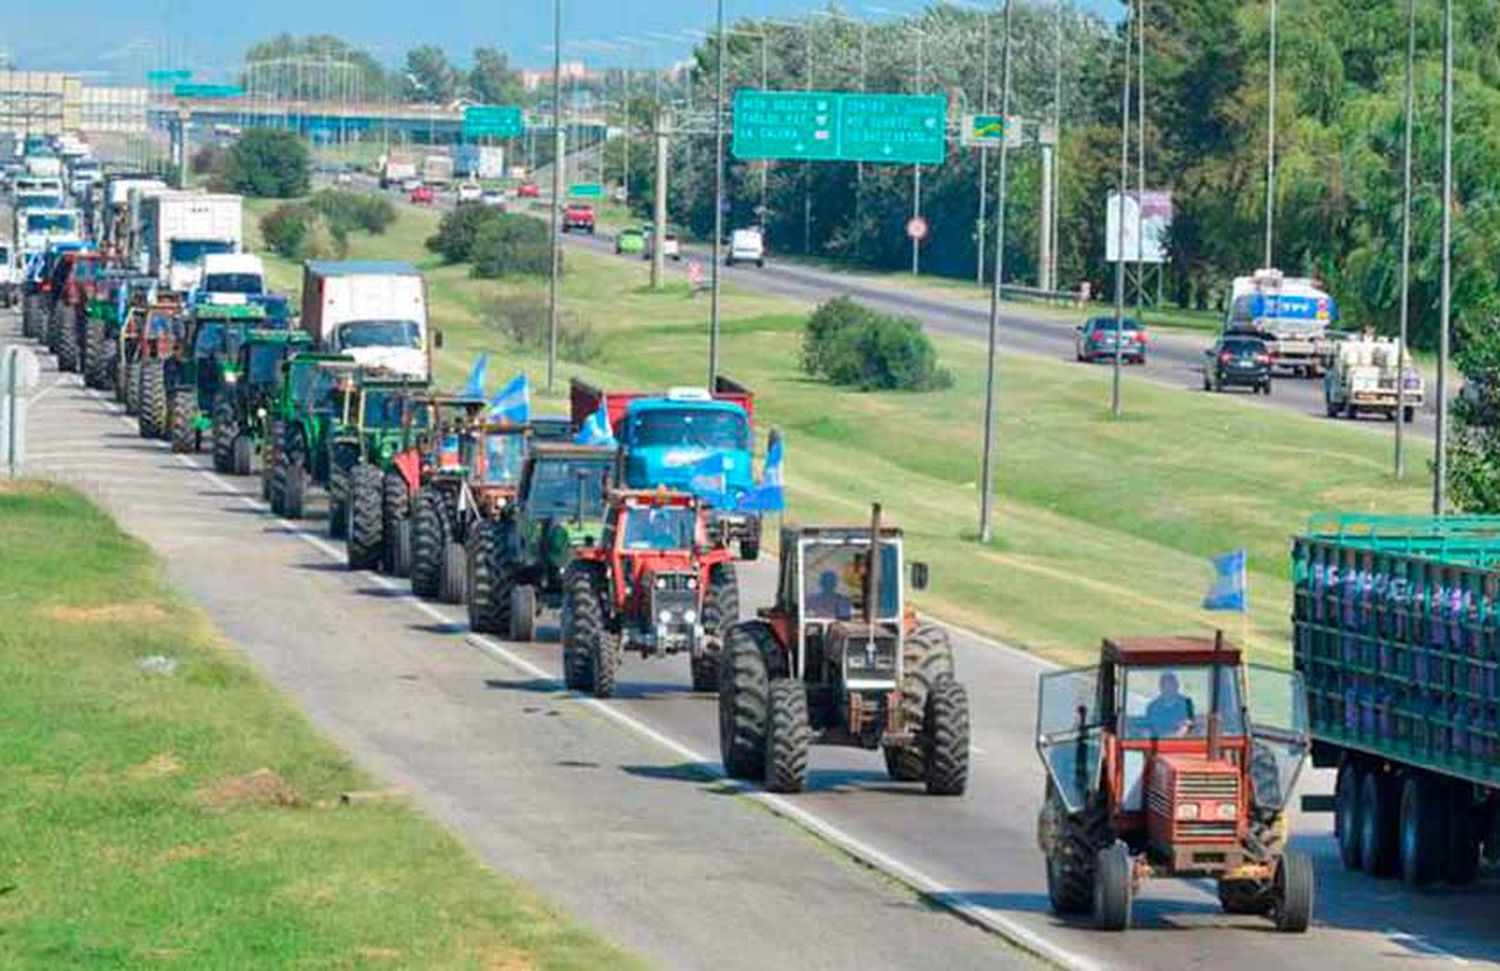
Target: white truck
point(117, 222)
point(437, 169)
point(37, 228)
point(374, 311)
point(1365, 375)
point(747, 245)
point(179, 228)
point(232, 274)
point(44, 166)
point(1291, 314)
point(394, 171)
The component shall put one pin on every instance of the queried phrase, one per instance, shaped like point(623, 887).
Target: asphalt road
point(610, 809)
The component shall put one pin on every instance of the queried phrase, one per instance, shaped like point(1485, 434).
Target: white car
point(494, 197)
point(671, 246)
point(747, 246)
point(469, 192)
point(407, 185)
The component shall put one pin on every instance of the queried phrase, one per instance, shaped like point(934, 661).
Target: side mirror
point(437, 338)
point(919, 576)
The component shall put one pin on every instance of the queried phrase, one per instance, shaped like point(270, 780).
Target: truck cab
point(232, 273)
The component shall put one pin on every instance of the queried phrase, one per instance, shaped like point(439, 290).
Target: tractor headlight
point(1228, 810)
point(692, 583)
point(665, 617)
point(260, 412)
point(690, 616)
point(1187, 810)
point(661, 583)
point(230, 377)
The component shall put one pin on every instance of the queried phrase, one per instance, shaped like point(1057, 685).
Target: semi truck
point(670, 438)
point(179, 228)
point(1291, 314)
point(1396, 626)
point(395, 170)
point(437, 170)
point(115, 225)
point(372, 311)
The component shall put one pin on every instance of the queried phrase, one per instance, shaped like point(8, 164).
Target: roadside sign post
point(916, 229)
point(19, 373)
point(829, 126)
point(586, 190)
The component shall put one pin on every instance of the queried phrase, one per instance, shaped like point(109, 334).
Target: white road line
point(1420, 945)
point(937, 892)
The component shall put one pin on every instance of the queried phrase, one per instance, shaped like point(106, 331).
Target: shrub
point(297, 231)
point(208, 159)
point(853, 345)
point(523, 320)
point(454, 240)
point(347, 212)
point(267, 163)
point(511, 244)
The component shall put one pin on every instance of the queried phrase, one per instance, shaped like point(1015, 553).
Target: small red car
point(578, 218)
point(528, 190)
point(422, 194)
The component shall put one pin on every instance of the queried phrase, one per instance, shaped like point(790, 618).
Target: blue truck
point(689, 439)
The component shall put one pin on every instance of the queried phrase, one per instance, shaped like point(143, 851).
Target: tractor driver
point(829, 601)
point(1170, 712)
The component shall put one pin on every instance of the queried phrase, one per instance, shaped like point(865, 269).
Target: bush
point(510, 245)
point(347, 212)
point(454, 240)
point(208, 159)
point(267, 163)
point(297, 231)
point(524, 321)
point(852, 345)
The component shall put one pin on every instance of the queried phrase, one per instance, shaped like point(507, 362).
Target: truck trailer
point(179, 228)
point(373, 311)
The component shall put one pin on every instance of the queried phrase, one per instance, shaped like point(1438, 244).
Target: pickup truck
point(578, 217)
point(1365, 375)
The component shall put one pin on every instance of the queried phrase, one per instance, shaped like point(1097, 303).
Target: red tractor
point(1153, 773)
point(147, 341)
point(653, 584)
point(75, 280)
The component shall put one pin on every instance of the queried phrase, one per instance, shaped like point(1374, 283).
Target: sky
point(95, 36)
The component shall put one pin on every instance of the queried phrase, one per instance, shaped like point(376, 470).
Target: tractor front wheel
point(1114, 888)
point(338, 500)
point(945, 738)
point(291, 482)
point(744, 698)
point(521, 608)
point(364, 535)
point(1292, 893)
point(182, 411)
point(67, 339)
point(455, 578)
point(242, 455)
point(788, 736)
point(395, 507)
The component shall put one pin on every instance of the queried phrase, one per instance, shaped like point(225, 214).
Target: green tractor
point(517, 562)
point(385, 417)
point(104, 317)
point(204, 363)
point(308, 405)
point(247, 396)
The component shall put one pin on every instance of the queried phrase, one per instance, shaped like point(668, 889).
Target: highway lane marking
point(1420, 945)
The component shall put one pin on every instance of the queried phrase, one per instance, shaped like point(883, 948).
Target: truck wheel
point(182, 410)
point(1378, 816)
point(428, 538)
point(1461, 860)
point(455, 579)
point(1423, 842)
point(927, 656)
point(1114, 888)
point(744, 698)
point(1346, 814)
point(522, 610)
point(581, 625)
point(788, 736)
point(242, 455)
point(1292, 893)
point(486, 587)
point(364, 540)
point(945, 738)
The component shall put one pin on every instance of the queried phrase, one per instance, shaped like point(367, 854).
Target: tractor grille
point(1195, 786)
point(1206, 829)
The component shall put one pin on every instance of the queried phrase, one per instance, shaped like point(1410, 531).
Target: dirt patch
point(136, 613)
point(185, 852)
point(510, 961)
point(158, 766)
point(259, 788)
point(378, 953)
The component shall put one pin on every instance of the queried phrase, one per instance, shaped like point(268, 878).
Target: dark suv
point(1237, 360)
point(1094, 340)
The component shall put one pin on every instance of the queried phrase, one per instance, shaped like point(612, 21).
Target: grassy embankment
point(1103, 527)
point(192, 819)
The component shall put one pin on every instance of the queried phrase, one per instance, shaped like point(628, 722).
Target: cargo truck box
point(375, 312)
point(180, 228)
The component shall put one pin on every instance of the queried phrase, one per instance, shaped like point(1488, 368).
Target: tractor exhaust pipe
point(1215, 722)
point(872, 575)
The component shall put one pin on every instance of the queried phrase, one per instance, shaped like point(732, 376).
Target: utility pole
point(625, 182)
point(984, 154)
point(659, 194)
point(1406, 137)
point(1056, 195)
point(1440, 445)
point(916, 170)
point(718, 247)
point(1114, 391)
point(1140, 149)
point(558, 146)
point(1044, 255)
point(991, 419)
point(1271, 149)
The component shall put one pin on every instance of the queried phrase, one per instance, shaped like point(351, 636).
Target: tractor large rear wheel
point(182, 412)
point(788, 736)
point(589, 664)
point(486, 599)
point(395, 507)
point(52, 328)
point(721, 611)
point(226, 432)
point(67, 339)
point(455, 579)
point(1072, 842)
point(152, 415)
point(745, 664)
point(365, 539)
point(945, 738)
point(95, 355)
point(429, 536)
point(926, 657)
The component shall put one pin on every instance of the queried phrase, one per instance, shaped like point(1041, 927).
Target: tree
point(431, 76)
point(491, 81)
point(267, 163)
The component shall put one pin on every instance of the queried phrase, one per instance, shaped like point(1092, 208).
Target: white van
point(747, 246)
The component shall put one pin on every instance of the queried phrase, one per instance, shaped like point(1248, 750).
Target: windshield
point(555, 487)
point(213, 338)
point(38, 200)
point(233, 283)
point(54, 222)
point(504, 453)
point(1110, 325)
point(1244, 347)
point(699, 428)
point(383, 408)
point(380, 333)
point(836, 580)
point(1175, 702)
point(193, 250)
point(312, 385)
point(662, 528)
point(261, 368)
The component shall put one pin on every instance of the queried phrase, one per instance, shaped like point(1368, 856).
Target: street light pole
point(1140, 149)
point(1114, 391)
point(1057, 92)
point(1271, 148)
point(1406, 137)
point(1440, 445)
point(916, 170)
point(558, 146)
point(713, 333)
point(984, 153)
point(991, 419)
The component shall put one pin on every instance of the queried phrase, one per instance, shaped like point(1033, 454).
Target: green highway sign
point(586, 190)
point(983, 130)
point(207, 91)
point(169, 76)
point(493, 121)
point(837, 126)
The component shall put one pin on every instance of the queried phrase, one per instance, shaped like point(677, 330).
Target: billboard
point(1153, 218)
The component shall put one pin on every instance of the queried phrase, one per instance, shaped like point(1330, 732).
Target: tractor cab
point(209, 338)
point(449, 446)
point(1159, 756)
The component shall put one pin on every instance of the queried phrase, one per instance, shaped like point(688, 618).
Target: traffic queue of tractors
point(625, 521)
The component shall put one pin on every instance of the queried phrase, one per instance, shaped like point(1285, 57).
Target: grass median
point(166, 807)
point(1103, 526)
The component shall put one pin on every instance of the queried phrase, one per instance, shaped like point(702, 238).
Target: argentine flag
point(475, 387)
point(1231, 586)
point(768, 496)
point(595, 429)
point(708, 479)
point(512, 403)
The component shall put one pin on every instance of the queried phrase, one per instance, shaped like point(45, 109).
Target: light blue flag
point(475, 387)
point(769, 495)
point(1231, 586)
point(595, 429)
point(708, 479)
point(512, 403)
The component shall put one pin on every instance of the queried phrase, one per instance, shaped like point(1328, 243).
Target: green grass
point(1104, 526)
point(135, 832)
